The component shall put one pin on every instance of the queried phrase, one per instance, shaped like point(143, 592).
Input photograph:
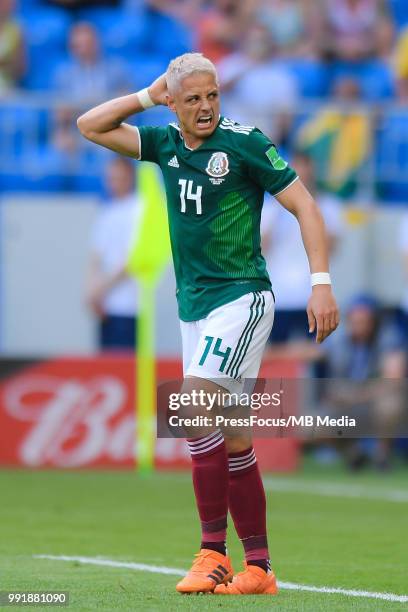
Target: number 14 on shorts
point(215, 345)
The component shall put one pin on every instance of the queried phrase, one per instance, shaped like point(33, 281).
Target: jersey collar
point(220, 118)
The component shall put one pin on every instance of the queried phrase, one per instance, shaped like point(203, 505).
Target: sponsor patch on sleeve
point(276, 160)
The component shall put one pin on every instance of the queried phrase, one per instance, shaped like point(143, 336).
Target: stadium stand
point(45, 31)
point(31, 158)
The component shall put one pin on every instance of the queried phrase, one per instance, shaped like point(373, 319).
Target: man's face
point(258, 44)
point(197, 105)
point(361, 324)
point(120, 178)
point(84, 43)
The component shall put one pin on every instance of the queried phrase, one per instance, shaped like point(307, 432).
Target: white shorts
point(229, 343)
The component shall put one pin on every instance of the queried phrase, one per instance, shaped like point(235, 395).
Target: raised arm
point(322, 310)
point(105, 125)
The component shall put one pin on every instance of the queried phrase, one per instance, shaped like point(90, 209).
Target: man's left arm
point(322, 310)
point(98, 284)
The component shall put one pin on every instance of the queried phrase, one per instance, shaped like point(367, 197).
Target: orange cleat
point(253, 581)
point(209, 569)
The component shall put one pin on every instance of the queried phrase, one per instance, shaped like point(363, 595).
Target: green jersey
point(214, 200)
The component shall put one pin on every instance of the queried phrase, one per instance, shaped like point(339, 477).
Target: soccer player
point(216, 172)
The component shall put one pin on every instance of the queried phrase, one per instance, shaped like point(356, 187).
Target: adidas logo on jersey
point(174, 162)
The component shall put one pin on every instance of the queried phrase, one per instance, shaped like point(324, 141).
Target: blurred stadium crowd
point(313, 75)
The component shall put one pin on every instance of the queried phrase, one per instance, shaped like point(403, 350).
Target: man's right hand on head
point(158, 90)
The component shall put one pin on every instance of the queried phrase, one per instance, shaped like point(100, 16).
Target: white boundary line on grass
point(172, 571)
point(328, 489)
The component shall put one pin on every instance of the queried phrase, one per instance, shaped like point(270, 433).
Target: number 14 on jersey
point(186, 193)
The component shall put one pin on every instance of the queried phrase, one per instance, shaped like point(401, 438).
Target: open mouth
point(204, 121)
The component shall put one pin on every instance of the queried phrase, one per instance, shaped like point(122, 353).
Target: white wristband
point(145, 99)
point(320, 278)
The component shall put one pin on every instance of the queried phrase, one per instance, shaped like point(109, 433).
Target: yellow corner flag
point(148, 257)
point(150, 250)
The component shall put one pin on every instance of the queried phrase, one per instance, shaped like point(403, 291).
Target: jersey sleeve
point(151, 139)
point(265, 166)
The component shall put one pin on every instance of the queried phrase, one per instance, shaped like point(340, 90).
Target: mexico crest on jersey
point(218, 165)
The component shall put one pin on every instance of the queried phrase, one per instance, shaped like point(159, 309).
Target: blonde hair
point(184, 66)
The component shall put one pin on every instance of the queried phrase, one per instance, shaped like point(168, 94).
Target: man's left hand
point(322, 312)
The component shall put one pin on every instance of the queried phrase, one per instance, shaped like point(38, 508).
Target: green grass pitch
point(325, 541)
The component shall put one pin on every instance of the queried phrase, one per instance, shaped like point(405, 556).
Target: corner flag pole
point(148, 257)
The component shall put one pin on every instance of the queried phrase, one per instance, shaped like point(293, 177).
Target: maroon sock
point(247, 505)
point(210, 480)
point(220, 547)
